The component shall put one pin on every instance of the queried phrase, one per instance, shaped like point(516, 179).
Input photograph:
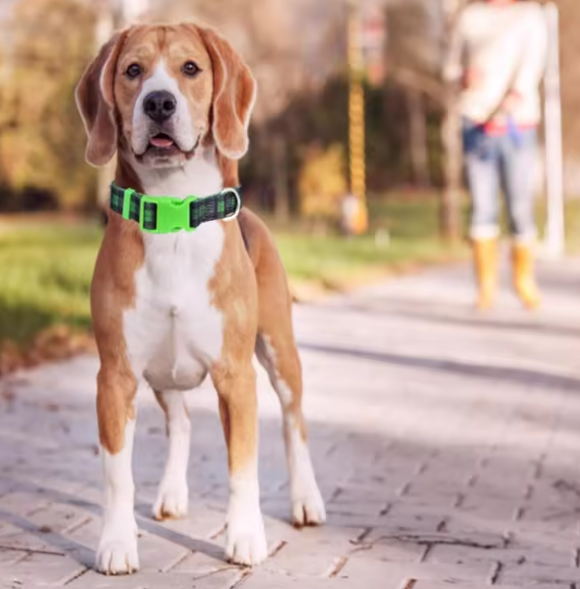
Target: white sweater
point(505, 46)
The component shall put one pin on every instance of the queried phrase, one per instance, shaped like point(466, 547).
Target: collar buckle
point(165, 215)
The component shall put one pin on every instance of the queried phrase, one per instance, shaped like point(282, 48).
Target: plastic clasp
point(172, 214)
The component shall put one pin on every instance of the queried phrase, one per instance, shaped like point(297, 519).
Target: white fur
point(245, 537)
point(267, 357)
point(117, 552)
point(184, 131)
point(307, 503)
point(172, 498)
point(174, 333)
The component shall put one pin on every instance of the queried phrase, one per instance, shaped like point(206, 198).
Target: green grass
point(45, 271)
point(412, 228)
point(45, 275)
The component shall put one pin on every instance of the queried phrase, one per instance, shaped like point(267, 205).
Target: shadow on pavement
point(518, 376)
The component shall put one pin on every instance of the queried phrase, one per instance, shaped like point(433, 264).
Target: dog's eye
point(133, 71)
point(190, 69)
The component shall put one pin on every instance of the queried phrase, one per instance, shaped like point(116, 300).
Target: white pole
point(555, 233)
point(131, 12)
point(104, 30)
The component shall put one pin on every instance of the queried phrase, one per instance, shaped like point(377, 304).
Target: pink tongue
point(162, 142)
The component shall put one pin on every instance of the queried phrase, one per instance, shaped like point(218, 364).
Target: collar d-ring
point(239, 204)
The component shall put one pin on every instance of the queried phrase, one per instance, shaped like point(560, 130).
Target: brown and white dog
point(174, 102)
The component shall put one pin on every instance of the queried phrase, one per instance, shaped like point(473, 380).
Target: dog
point(173, 102)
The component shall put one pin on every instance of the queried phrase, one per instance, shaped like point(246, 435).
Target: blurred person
point(498, 53)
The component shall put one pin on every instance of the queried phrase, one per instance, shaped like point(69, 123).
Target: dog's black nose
point(159, 106)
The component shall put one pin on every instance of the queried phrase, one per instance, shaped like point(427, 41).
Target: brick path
point(447, 447)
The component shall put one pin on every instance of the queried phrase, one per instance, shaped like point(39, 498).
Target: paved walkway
point(447, 447)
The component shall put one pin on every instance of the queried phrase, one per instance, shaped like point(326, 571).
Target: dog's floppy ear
point(234, 95)
point(95, 102)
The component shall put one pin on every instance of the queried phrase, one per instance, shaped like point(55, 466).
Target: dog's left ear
point(95, 102)
point(234, 95)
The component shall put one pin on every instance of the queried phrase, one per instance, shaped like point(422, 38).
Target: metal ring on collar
point(238, 208)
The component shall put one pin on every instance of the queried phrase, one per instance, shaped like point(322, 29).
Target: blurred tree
point(419, 33)
point(51, 42)
point(298, 55)
point(413, 64)
point(450, 213)
point(8, 116)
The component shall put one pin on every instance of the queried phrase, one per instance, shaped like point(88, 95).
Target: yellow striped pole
point(356, 117)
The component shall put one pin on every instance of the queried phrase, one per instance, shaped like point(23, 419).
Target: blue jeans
point(506, 161)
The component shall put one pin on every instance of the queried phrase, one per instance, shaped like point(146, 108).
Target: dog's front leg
point(117, 552)
point(245, 538)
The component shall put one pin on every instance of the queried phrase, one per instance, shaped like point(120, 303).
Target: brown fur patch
point(234, 93)
point(95, 102)
point(113, 291)
point(275, 308)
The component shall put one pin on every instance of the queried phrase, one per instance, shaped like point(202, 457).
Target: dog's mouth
point(163, 149)
point(162, 141)
point(162, 145)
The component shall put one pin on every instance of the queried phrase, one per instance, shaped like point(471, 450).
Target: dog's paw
point(246, 539)
point(308, 510)
point(172, 500)
point(307, 503)
point(118, 556)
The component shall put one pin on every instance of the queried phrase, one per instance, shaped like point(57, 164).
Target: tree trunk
point(281, 194)
point(105, 26)
point(451, 134)
point(418, 138)
point(451, 197)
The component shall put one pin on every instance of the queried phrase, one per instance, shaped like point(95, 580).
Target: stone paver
point(446, 444)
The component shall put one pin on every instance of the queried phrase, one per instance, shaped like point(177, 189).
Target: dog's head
point(157, 92)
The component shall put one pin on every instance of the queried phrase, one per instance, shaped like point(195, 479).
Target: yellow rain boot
point(485, 263)
point(524, 279)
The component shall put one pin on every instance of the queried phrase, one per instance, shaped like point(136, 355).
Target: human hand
point(471, 78)
point(511, 102)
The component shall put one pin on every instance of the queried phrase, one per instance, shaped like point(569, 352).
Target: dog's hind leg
point(173, 494)
point(281, 361)
point(276, 351)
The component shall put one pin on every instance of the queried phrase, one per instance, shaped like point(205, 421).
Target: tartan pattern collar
point(167, 214)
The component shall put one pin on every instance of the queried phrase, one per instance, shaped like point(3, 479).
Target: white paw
point(118, 556)
point(307, 504)
point(308, 508)
point(245, 538)
point(172, 500)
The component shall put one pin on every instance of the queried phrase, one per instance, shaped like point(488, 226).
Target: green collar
point(167, 214)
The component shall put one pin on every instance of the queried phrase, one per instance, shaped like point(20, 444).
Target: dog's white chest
point(174, 332)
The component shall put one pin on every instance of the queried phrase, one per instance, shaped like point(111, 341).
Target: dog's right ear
point(96, 104)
